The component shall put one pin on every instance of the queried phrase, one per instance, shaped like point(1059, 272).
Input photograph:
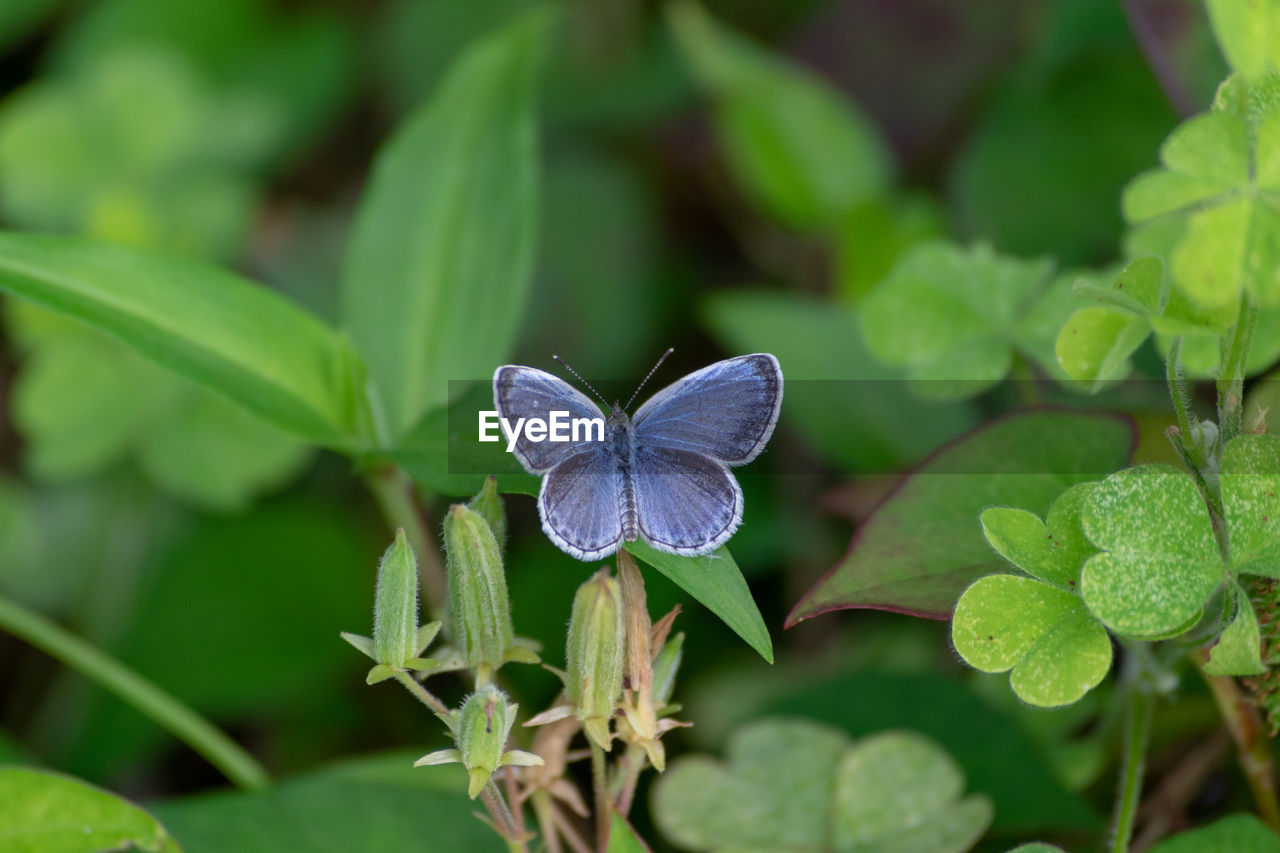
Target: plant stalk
point(1253, 748)
point(394, 492)
point(497, 806)
point(603, 797)
point(425, 696)
point(1137, 727)
point(178, 719)
point(1231, 370)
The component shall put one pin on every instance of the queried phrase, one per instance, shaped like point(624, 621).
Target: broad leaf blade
point(240, 340)
point(440, 260)
point(716, 582)
point(44, 812)
point(924, 544)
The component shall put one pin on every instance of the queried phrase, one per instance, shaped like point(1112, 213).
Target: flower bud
point(483, 728)
point(595, 653)
point(489, 504)
point(479, 611)
point(395, 608)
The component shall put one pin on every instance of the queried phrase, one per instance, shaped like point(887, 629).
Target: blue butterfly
point(663, 476)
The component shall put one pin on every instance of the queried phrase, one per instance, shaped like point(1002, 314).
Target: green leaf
point(443, 453)
point(1249, 33)
point(801, 786)
point(623, 838)
point(1240, 833)
point(716, 582)
point(238, 339)
point(923, 546)
point(1057, 650)
point(1229, 240)
point(1036, 332)
point(1051, 551)
point(1138, 289)
point(45, 812)
point(949, 316)
point(379, 803)
point(1160, 561)
point(846, 403)
point(1251, 499)
point(874, 234)
point(803, 152)
point(1095, 344)
point(438, 269)
point(1237, 651)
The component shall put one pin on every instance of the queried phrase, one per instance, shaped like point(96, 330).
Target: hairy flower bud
point(479, 610)
point(489, 504)
point(595, 653)
point(483, 728)
point(395, 608)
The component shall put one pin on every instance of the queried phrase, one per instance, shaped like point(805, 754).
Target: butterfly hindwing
point(686, 503)
point(580, 504)
point(525, 392)
point(726, 410)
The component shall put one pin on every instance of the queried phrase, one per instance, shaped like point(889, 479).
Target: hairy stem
point(604, 799)
point(165, 710)
point(425, 696)
point(497, 806)
point(1137, 726)
point(395, 495)
point(1253, 749)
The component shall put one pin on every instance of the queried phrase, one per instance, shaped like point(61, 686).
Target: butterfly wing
point(525, 392)
point(580, 504)
point(686, 503)
point(726, 410)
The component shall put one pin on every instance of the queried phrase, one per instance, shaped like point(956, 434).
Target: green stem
point(423, 695)
point(185, 724)
point(604, 799)
point(1181, 403)
point(1235, 355)
point(497, 807)
point(1137, 727)
point(395, 495)
point(1253, 748)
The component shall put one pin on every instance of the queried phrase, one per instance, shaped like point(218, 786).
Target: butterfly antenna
point(647, 378)
point(566, 366)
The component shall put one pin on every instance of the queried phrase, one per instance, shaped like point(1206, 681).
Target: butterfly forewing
point(525, 392)
point(726, 411)
point(580, 504)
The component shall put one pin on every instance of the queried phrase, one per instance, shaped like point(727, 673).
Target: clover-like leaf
point(1095, 344)
point(1229, 214)
point(950, 316)
point(1249, 33)
point(801, 786)
point(1160, 560)
point(1238, 650)
point(1251, 500)
point(1056, 648)
point(1052, 550)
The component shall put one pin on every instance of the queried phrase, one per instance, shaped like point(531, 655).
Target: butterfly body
point(662, 476)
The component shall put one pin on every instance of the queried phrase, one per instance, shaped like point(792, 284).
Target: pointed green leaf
point(715, 581)
point(1057, 650)
point(923, 546)
point(240, 340)
point(362, 644)
point(1238, 650)
point(802, 151)
point(440, 259)
point(1251, 499)
point(45, 812)
point(380, 672)
point(1160, 561)
point(624, 839)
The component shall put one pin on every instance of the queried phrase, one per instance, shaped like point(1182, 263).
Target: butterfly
point(662, 476)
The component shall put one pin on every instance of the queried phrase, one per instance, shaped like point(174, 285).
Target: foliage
point(229, 301)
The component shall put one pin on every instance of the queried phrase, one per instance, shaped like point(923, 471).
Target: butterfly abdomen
point(620, 436)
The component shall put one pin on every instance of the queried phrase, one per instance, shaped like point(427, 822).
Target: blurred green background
point(220, 557)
